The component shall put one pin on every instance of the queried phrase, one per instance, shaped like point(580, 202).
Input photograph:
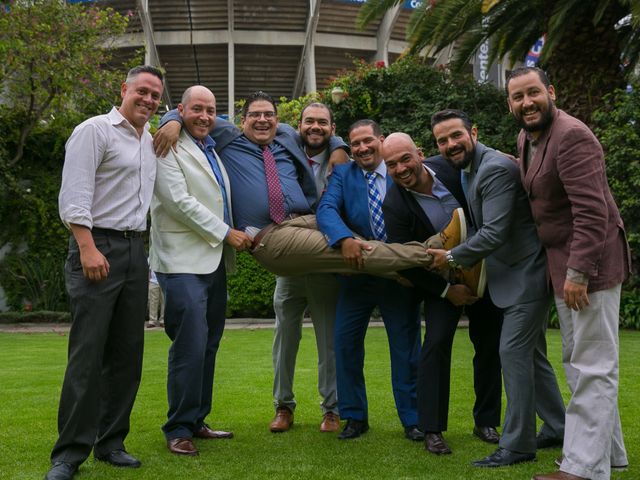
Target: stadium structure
point(235, 47)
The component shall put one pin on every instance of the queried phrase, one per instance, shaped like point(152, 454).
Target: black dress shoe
point(412, 432)
point(207, 433)
point(544, 441)
point(120, 458)
point(434, 443)
point(486, 434)
point(353, 429)
point(503, 457)
point(61, 471)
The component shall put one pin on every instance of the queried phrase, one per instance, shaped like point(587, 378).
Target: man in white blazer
point(192, 244)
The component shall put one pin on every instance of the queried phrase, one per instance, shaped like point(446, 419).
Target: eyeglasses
point(257, 115)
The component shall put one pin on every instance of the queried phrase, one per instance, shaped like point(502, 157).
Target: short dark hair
point(135, 71)
point(518, 72)
point(316, 105)
point(256, 97)
point(367, 122)
point(450, 113)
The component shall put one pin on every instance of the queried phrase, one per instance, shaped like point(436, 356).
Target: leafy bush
point(35, 282)
point(403, 96)
point(250, 289)
point(617, 126)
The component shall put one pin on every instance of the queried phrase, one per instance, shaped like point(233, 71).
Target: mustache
point(454, 150)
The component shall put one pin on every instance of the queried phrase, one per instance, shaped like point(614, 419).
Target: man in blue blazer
point(350, 205)
point(516, 279)
point(418, 205)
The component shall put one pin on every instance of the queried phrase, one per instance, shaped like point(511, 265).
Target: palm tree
point(586, 40)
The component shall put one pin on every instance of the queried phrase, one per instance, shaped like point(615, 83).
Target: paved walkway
point(232, 323)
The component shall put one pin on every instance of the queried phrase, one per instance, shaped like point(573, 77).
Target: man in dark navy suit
point(418, 205)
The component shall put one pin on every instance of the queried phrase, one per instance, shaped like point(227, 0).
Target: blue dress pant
point(194, 321)
point(399, 307)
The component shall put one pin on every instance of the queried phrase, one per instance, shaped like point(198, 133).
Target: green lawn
point(31, 372)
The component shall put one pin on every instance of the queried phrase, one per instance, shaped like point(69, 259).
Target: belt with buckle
point(118, 233)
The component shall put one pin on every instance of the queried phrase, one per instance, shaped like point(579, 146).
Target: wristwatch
point(450, 260)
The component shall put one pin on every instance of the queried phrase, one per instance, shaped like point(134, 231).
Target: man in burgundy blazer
point(563, 173)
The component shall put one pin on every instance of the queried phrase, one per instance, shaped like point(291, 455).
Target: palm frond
point(372, 10)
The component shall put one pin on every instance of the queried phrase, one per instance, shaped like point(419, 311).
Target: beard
point(546, 117)
point(464, 162)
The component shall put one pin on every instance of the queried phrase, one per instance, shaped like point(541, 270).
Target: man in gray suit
point(516, 278)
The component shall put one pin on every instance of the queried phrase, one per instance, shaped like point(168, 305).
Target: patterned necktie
point(276, 199)
point(375, 207)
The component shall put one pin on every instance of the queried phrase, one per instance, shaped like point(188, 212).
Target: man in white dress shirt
point(107, 183)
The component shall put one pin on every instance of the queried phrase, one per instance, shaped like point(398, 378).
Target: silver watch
point(450, 260)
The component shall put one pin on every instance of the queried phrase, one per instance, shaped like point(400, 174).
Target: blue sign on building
point(408, 4)
point(533, 57)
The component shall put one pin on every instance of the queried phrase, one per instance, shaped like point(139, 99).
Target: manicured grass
point(32, 365)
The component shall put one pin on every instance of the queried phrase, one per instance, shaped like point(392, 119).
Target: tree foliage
point(617, 126)
point(585, 41)
point(56, 70)
point(53, 57)
point(404, 95)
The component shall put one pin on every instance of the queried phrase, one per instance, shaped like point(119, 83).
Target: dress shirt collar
point(381, 170)
point(116, 118)
point(437, 188)
point(207, 143)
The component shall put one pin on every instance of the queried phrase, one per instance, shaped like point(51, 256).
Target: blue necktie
point(218, 174)
point(464, 181)
point(375, 208)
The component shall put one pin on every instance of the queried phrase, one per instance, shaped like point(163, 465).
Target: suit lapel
point(536, 162)
point(198, 155)
point(415, 208)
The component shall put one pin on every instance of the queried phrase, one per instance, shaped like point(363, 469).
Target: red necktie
point(276, 199)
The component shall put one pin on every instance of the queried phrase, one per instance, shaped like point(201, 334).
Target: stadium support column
point(384, 33)
point(231, 64)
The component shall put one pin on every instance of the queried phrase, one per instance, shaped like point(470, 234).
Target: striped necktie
point(375, 208)
point(276, 199)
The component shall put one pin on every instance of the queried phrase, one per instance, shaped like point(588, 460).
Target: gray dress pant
point(529, 381)
point(105, 350)
point(593, 435)
point(292, 296)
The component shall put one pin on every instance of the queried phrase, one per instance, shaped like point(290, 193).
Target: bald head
point(198, 111)
point(197, 90)
point(397, 140)
point(404, 162)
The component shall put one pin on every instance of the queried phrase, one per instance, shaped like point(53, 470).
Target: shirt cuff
point(576, 276)
point(444, 292)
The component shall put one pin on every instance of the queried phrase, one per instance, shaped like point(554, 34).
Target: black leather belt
point(118, 233)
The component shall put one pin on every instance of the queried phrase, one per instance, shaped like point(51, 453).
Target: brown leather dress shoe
point(434, 443)
point(330, 422)
point(182, 446)
point(282, 421)
point(208, 434)
point(557, 476)
point(486, 434)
